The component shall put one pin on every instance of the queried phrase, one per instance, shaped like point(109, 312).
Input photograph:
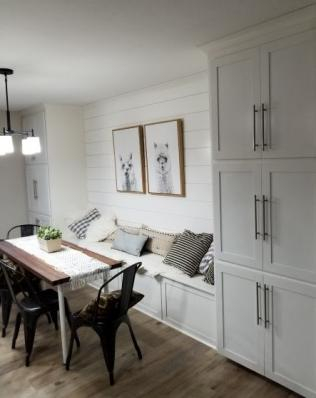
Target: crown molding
point(291, 23)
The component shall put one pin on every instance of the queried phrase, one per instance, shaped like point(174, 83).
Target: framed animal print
point(128, 147)
point(165, 158)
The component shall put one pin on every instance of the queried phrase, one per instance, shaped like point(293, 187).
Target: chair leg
point(71, 343)
point(16, 329)
point(139, 353)
point(108, 347)
point(29, 335)
point(54, 317)
point(49, 319)
point(6, 303)
point(67, 311)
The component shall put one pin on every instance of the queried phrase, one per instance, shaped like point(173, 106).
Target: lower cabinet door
point(290, 334)
point(240, 328)
point(39, 219)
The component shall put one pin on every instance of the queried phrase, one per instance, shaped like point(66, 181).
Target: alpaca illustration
point(163, 168)
point(127, 173)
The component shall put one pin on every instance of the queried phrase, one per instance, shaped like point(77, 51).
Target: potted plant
point(49, 239)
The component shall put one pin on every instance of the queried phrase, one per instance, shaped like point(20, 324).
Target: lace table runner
point(81, 268)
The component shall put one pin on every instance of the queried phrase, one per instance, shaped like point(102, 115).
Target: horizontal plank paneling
point(186, 99)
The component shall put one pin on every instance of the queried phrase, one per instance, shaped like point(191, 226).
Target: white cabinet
point(235, 97)
point(264, 100)
point(237, 198)
point(288, 77)
point(36, 121)
point(240, 335)
point(290, 335)
point(38, 219)
point(289, 187)
point(268, 323)
point(55, 187)
point(37, 183)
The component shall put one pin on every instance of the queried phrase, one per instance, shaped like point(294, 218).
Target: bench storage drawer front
point(190, 310)
point(151, 288)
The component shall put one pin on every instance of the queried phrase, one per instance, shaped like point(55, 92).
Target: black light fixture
point(30, 144)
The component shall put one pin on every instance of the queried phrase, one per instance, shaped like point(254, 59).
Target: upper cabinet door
point(288, 87)
point(36, 121)
point(289, 247)
point(237, 198)
point(235, 98)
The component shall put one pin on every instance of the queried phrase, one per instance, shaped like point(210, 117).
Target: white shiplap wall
point(187, 99)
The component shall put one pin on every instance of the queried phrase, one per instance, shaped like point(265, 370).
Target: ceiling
point(78, 51)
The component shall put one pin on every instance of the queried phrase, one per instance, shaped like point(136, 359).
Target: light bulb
point(6, 144)
point(31, 146)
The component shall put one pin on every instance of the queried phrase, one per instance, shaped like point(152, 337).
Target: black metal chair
point(31, 306)
point(6, 301)
point(107, 324)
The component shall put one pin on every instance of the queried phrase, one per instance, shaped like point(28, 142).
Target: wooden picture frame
point(129, 159)
point(164, 147)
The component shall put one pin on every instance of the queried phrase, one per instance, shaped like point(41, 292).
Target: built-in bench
point(187, 304)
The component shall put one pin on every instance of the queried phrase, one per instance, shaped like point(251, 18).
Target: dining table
point(73, 267)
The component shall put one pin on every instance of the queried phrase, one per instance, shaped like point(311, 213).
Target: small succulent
point(49, 233)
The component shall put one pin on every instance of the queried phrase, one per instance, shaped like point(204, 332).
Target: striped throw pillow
point(209, 275)
point(188, 251)
point(80, 227)
point(207, 260)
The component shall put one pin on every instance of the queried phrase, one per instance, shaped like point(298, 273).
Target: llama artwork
point(165, 158)
point(128, 178)
point(129, 161)
point(163, 168)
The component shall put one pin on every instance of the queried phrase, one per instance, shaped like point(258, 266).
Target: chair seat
point(48, 298)
point(87, 316)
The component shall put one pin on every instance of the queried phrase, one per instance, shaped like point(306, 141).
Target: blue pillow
point(129, 243)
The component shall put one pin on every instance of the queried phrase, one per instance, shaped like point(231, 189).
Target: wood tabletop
point(43, 270)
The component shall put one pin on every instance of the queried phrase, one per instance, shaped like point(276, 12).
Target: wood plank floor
point(174, 365)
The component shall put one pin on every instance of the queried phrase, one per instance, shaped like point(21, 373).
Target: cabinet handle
point(255, 111)
point(263, 110)
point(35, 192)
point(259, 318)
point(266, 306)
point(256, 200)
point(264, 232)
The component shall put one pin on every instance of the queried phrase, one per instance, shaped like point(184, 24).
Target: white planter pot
point(50, 246)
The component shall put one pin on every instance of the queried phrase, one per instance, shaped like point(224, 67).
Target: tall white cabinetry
point(263, 95)
point(55, 178)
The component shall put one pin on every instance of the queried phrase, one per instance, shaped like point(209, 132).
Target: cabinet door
point(240, 330)
point(290, 218)
point(37, 184)
point(238, 213)
point(38, 219)
point(290, 337)
point(289, 95)
point(235, 91)
point(36, 122)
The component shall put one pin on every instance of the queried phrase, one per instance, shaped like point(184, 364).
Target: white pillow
point(100, 229)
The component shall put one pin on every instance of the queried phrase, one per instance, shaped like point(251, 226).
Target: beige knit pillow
point(158, 242)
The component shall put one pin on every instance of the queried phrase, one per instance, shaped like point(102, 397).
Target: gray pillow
point(129, 243)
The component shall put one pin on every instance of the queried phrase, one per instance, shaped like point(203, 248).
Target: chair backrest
point(126, 289)
point(24, 230)
point(12, 278)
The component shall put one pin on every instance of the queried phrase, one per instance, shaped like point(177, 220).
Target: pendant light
point(30, 144)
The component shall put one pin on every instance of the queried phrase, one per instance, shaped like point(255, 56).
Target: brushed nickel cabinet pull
point(255, 145)
point(264, 232)
point(266, 307)
point(35, 192)
point(259, 318)
point(256, 200)
point(263, 110)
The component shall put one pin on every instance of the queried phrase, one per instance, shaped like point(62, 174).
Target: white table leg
point(62, 318)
